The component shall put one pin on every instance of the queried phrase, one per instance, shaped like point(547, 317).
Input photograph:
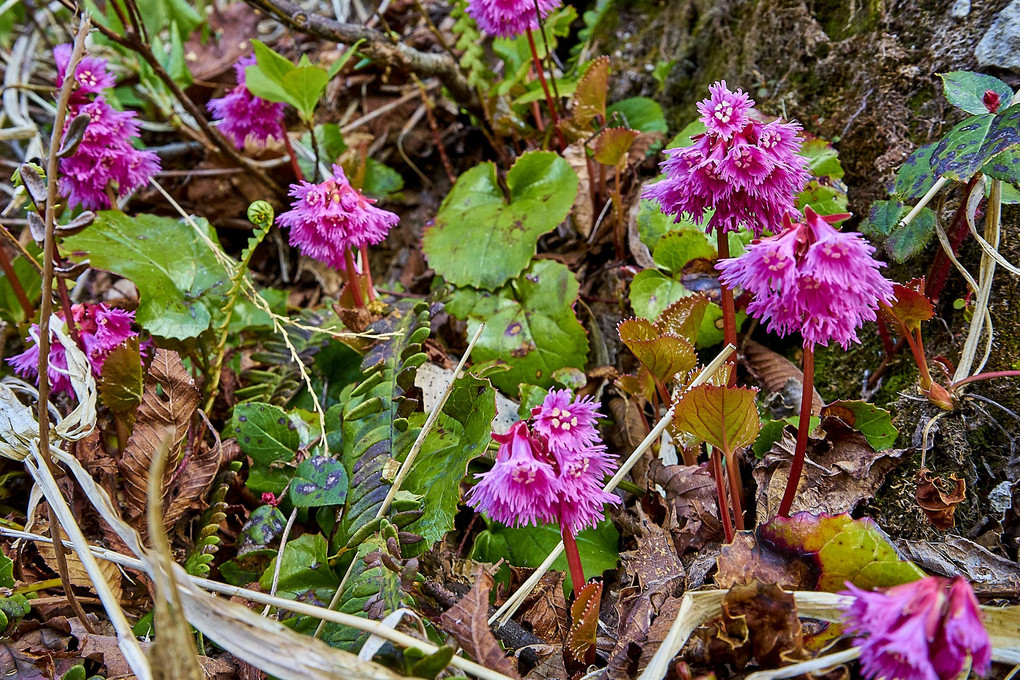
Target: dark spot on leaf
point(244, 419)
point(513, 329)
point(282, 420)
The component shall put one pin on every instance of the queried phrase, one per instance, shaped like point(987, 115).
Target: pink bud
point(991, 100)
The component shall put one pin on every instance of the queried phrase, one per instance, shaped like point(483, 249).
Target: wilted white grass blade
point(126, 640)
point(374, 643)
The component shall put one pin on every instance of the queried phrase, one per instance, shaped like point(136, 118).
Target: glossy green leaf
point(481, 237)
point(181, 283)
point(824, 199)
point(916, 175)
point(6, 571)
point(265, 523)
point(304, 85)
point(823, 159)
point(651, 291)
point(966, 90)
point(975, 142)
point(305, 568)
point(530, 324)
point(319, 481)
point(31, 283)
point(844, 549)
point(663, 353)
point(638, 113)
point(873, 422)
point(266, 433)
point(677, 248)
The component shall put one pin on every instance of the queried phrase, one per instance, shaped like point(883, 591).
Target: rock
point(960, 9)
point(1000, 46)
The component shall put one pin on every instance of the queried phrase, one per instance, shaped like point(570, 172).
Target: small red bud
point(270, 499)
point(991, 100)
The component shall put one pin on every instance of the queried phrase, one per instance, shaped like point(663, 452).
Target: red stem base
point(802, 432)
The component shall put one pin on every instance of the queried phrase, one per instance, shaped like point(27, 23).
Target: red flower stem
point(808, 389)
point(352, 278)
point(545, 88)
point(736, 489)
point(720, 491)
point(368, 273)
point(293, 156)
point(883, 333)
point(919, 358)
point(729, 313)
point(12, 278)
point(987, 376)
point(573, 559)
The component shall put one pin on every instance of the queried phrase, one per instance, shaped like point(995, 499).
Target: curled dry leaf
point(692, 511)
point(467, 621)
point(168, 402)
point(545, 609)
point(583, 211)
point(991, 576)
point(938, 497)
point(778, 375)
point(840, 472)
point(767, 617)
point(747, 559)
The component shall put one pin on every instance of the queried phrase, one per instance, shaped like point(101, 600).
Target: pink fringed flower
point(568, 463)
point(328, 219)
point(811, 278)
point(242, 115)
point(928, 629)
point(508, 18)
point(747, 171)
point(565, 423)
point(582, 499)
point(521, 487)
point(105, 156)
point(101, 329)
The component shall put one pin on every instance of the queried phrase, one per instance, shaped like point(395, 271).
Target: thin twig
point(377, 47)
point(279, 556)
point(49, 250)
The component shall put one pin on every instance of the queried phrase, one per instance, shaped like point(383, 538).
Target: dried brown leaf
point(192, 481)
point(746, 560)
point(693, 511)
point(545, 609)
point(168, 402)
point(583, 212)
point(768, 614)
point(467, 621)
point(75, 569)
point(842, 470)
point(938, 497)
point(990, 574)
point(778, 375)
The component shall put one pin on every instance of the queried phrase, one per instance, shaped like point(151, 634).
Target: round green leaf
point(480, 237)
point(530, 324)
point(966, 90)
point(319, 481)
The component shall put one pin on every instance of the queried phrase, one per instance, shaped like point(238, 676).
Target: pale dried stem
point(405, 467)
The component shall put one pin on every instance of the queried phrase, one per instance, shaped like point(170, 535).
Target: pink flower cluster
point(243, 115)
point(928, 629)
point(106, 154)
point(747, 171)
point(328, 219)
point(508, 18)
point(551, 472)
point(811, 278)
point(101, 329)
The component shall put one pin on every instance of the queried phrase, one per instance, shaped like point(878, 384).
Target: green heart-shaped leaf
point(482, 239)
point(529, 323)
